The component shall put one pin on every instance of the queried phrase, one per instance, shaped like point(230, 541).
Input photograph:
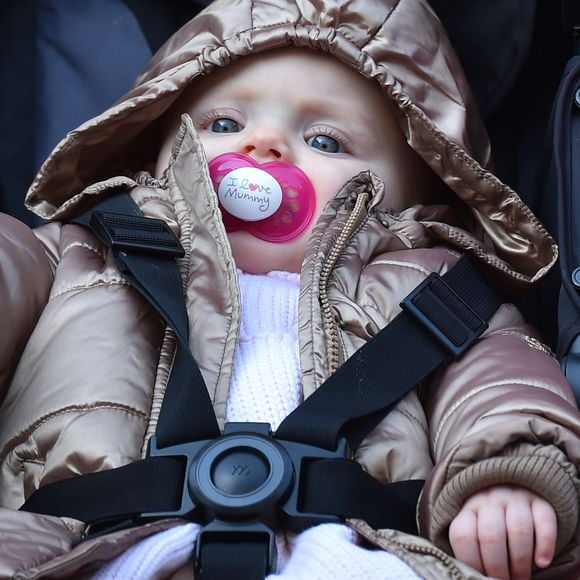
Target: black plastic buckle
point(136, 234)
point(243, 474)
point(243, 484)
point(444, 314)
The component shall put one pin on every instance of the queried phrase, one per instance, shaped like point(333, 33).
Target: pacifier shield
point(273, 201)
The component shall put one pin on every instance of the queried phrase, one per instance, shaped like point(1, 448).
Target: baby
point(333, 124)
point(494, 434)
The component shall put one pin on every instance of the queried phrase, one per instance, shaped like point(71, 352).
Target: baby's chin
point(256, 256)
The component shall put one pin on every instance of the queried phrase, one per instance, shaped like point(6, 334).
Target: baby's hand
point(502, 530)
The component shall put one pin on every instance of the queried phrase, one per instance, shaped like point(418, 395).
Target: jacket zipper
point(350, 227)
point(436, 553)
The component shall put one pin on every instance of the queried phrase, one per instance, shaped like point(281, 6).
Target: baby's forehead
point(316, 79)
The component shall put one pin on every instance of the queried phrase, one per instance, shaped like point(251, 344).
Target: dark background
point(63, 61)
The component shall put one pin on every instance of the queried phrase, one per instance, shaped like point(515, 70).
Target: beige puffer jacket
point(84, 360)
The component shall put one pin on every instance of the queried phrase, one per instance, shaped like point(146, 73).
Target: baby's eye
point(324, 143)
point(225, 125)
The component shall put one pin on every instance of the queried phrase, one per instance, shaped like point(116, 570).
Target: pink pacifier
point(273, 201)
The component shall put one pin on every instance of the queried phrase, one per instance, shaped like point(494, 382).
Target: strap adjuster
point(444, 314)
point(136, 234)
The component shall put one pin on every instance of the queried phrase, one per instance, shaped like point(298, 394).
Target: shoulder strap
point(440, 319)
point(145, 251)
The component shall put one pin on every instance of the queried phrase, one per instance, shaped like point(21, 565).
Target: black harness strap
point(441, 318)
point(242, 559)
point(145, 250)
point(124, 498)
point(341, 487)
point(398, 358)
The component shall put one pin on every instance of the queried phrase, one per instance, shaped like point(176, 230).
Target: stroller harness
point(246, 482)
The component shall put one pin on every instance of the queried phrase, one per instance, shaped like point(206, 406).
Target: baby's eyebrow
point(353, 117)
point(330, 105)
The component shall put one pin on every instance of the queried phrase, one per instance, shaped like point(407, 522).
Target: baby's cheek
point(329, 176)
point(326, 185)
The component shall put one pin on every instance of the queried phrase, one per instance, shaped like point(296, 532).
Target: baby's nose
point(266, 143)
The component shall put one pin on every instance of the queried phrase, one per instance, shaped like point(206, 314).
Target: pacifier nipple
point(274, 201)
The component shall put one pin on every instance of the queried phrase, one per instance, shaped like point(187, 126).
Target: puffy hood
point(400, 44)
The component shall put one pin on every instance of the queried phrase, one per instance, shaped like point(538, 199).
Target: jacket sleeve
point(26, 276)
point(502, 413)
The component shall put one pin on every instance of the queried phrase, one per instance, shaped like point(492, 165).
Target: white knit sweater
point(265, 387)
point(266, 383)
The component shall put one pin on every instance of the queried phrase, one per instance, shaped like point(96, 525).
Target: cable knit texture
point(266, 383)
point(266, 387)
point(155, 557)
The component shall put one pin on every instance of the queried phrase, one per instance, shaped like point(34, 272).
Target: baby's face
point(305, 108)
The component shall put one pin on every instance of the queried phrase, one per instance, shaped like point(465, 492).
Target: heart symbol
point(274, 201)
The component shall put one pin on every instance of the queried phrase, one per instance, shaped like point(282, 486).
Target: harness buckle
point(243, 474)
point(437, 308)
point(242, 484)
